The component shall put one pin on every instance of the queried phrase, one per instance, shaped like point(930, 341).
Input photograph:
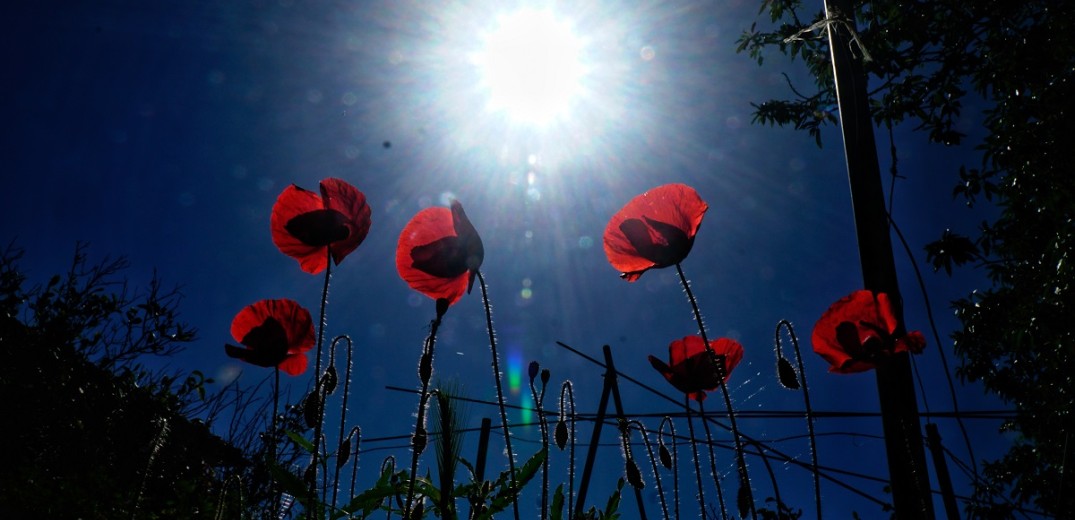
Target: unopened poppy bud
point(534, 368)
point(634, 476)
point(330, 380)
point(743, 499)
point(665, 456)
point(343, 453)
point(545, 376)
point(561, 435)
point(786, 374)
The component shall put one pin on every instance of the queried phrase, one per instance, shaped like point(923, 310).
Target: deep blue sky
point(164, 131)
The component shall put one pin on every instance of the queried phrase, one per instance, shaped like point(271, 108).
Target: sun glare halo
point(530, 67)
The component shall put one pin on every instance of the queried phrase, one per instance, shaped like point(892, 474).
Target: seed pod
point(534, 369)
point(664, 455)
point(561, 435)
point(743, 499)
point(786, 374)
point(545, 376)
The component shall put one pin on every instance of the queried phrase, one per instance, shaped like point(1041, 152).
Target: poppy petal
point(693, 370)
point(345, 199)
point(655, 229)
point(272, 332)
point(855, 333)
point(429, 234)
point(660, 366)
point(291, 204)
point(294, 364)
point(914, 342)
point(731, 350)
point(470, 242)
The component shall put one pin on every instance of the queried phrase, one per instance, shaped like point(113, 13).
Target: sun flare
point(530, 67)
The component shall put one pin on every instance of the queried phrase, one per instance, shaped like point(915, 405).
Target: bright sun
point(530, 67)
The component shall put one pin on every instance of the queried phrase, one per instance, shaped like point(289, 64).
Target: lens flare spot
point(515, 373)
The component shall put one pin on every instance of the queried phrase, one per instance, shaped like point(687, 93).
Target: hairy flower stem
point(274, 491)
point(317, 387)
point(653, 464)
point(744, 477)
point(712, 460)
point(343, 409)
point(674, 455)
point(499, 390)
point(772, 475)
point(543, 426)
point(809, 410)
point(697, 467)
point(420, 437)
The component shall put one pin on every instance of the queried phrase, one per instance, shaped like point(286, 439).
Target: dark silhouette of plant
point(1014, 63)
point(91, 432)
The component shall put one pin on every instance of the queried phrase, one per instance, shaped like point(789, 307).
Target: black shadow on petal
point(267, 343)
point(319, 227)
point(443, 258)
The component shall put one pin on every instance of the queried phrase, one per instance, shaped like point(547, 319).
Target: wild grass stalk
point(565, 433)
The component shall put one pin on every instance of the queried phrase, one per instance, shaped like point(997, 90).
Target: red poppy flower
point(856, 333)
point(654, 229)
point(692, 370)
point(276, 333)
point(303, 223)
point(439, 253)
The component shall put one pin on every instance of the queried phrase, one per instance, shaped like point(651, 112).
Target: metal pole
point(940, 467)
point(587, 469)
point(620, 415)
point(895, 388)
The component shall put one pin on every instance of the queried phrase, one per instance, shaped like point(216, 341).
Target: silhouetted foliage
point(89, 432)
point(1015, 62)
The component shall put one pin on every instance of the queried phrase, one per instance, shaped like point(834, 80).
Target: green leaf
point(371, 499)
point(556, 512)
point(300, 441)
